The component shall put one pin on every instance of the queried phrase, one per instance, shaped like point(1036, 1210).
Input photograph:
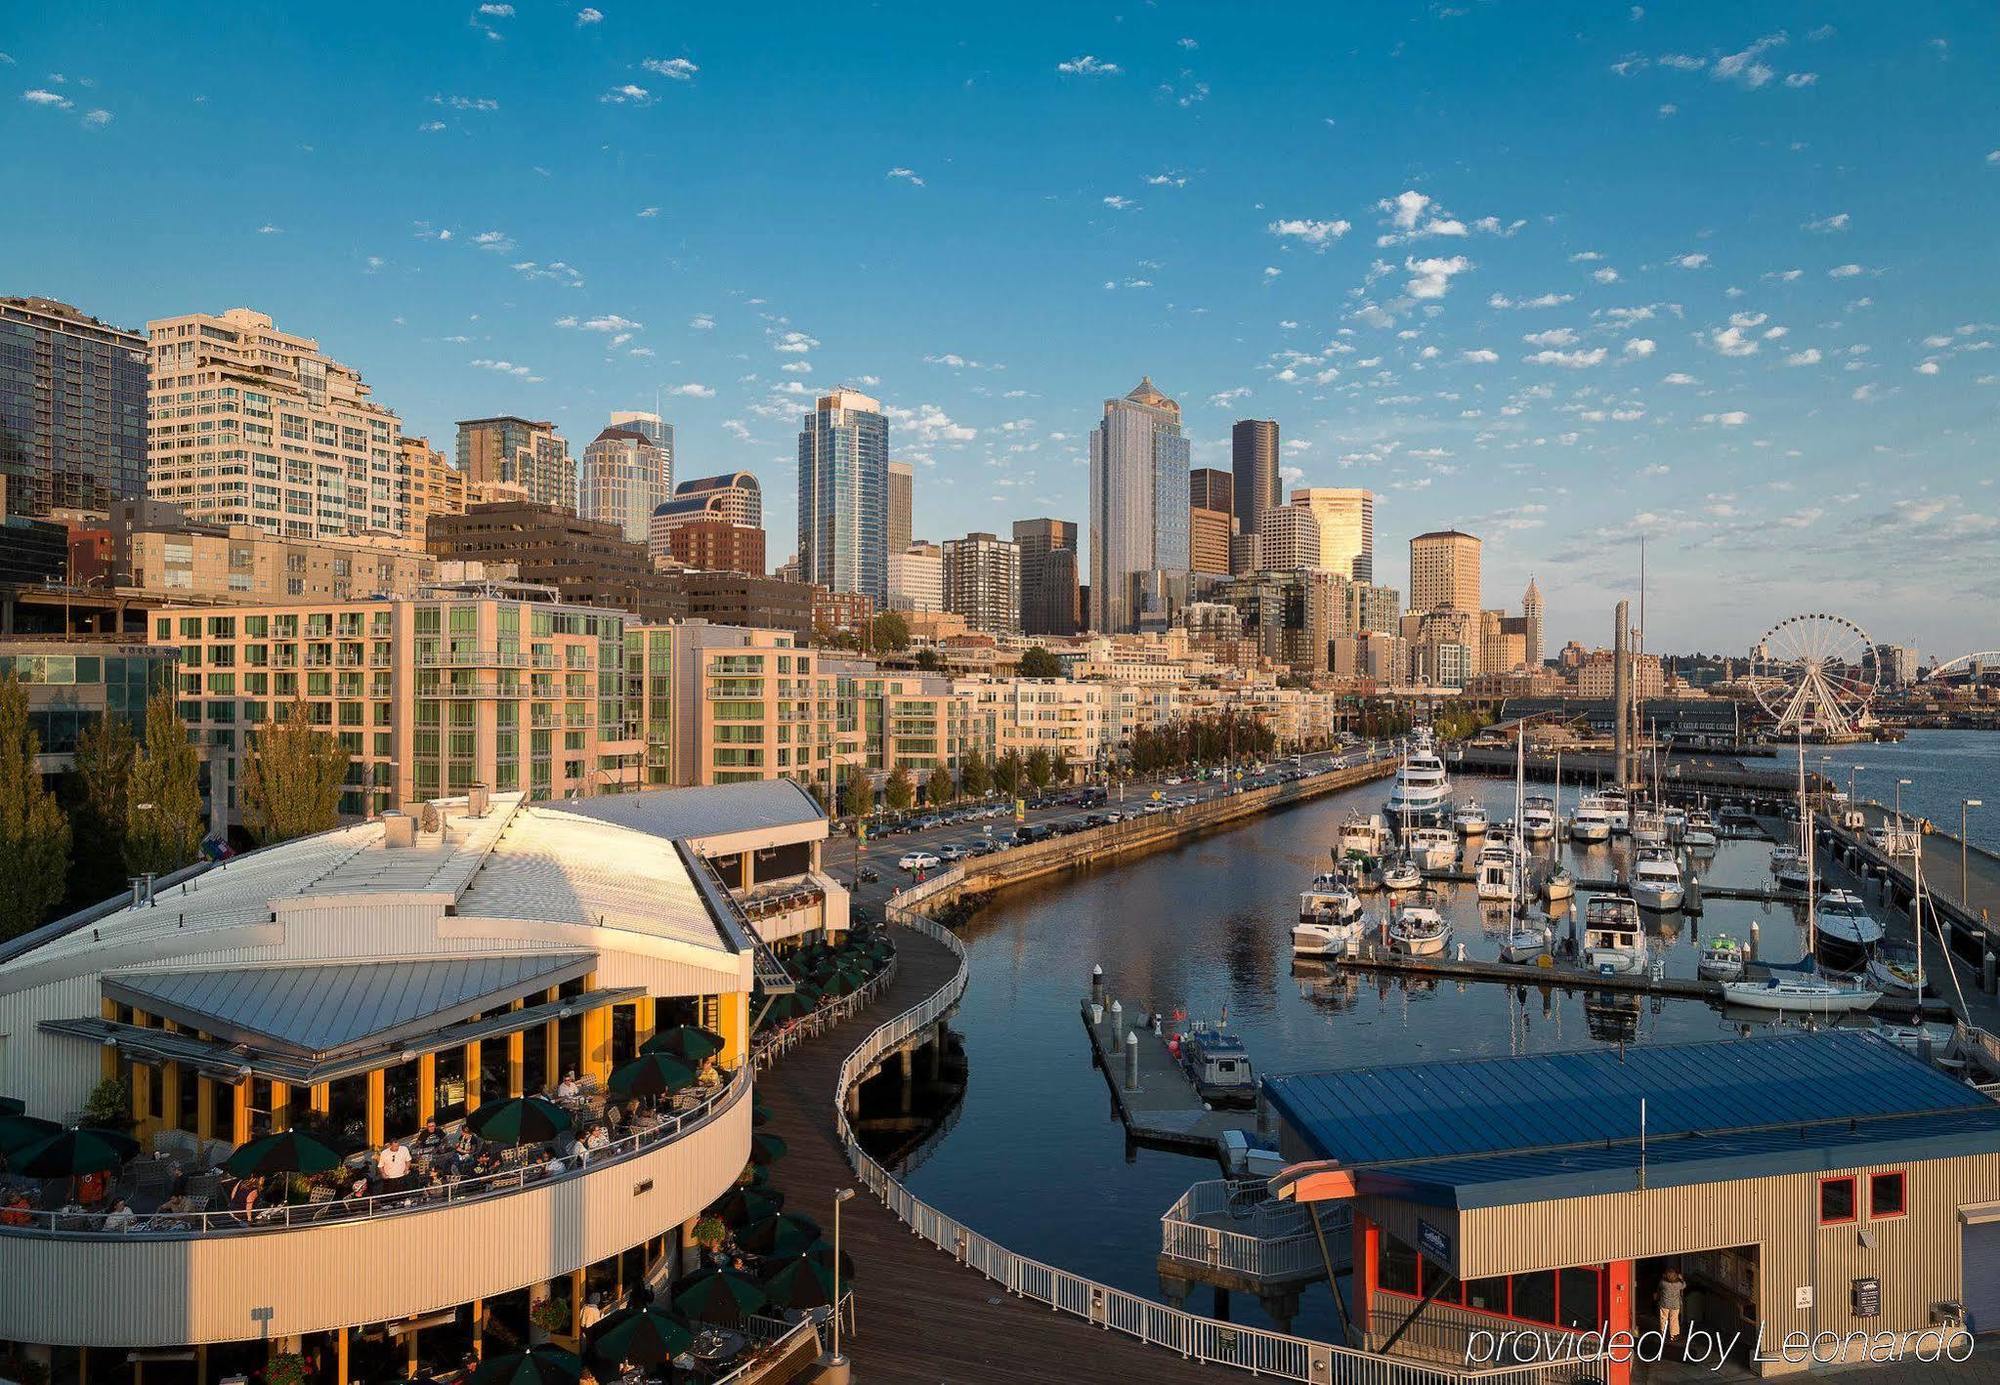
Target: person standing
point(1673, 1293)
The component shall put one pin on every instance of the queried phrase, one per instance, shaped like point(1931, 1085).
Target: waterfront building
point(429, 694)
point(430, 485)
point(157, 549)
point(1595, 673)
point(1288, 538)
point(74, 683)
point(717, 546)
point(626, 477)
point(902, 497)
point(72, 409)
point(587, 561)
point(251, 425)
point(357, 983)
point(843, 495)
point(1444, 571)
point(982, 582)
point(1531, 624)
point(1346, 518)
point(901, 719)
point(746, 705)
point(1253, 460)
point(1293, 614)
point(1442, 663)
point(1051, 599)
point(507, 456)
point(916, 578)
point(1138, 512)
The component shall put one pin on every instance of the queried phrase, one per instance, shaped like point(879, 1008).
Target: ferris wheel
point(1816, 675)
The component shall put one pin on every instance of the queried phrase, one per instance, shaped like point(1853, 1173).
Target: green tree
point(94, 795)
point(901, 790)
point(163, 824)
point(34, 834)
point(1041, 768)
point(927, 660)
point(1008, 773)
point(857, 794)
point(973, 774)
point(937, 787)
point(1037, 662)
point(291, 785)
point(891, 632)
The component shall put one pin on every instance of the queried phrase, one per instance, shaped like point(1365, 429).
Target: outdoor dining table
point(716, 1344)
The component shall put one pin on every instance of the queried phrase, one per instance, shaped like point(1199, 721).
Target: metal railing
point(525, 1175)
point(1236, 1225)
point(1196, 1338)
point(773, 1044)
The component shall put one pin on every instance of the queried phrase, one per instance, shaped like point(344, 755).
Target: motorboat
point(1847, 932)
point(1418, 926)
point(1591, 823)
point(1699, 833)
point(1648, 827)
point(1493, 872)
point(1435, 848)
point(1784, 855)
point(1721, 958)
point(1327, 936)
point(1802, 990)
point(1401, 873)
point(1920, 1035)
point(1538, 819)
point(1364, 837)
point(1614, 940)
point(1655, 883)
point(1617, 811)
point(1217, 1065)
point(1422, 792)
point(1470, 819)
point(1329, 897)
point(1897, 969)
point(1677, 821)
point(1794, 874)
point(1558, 883)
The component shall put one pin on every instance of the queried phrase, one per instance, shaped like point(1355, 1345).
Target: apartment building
point(431, 486)
point(916, 578)
point(157, 549)
point(72, 409)
point(508, 457)
point(252, 425)
point(982, 582)
point(588, 561)
point(716, 545)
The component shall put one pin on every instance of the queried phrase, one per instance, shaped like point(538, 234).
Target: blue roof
point(1510, 1129)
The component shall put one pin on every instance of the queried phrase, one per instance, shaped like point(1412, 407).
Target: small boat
point(1677, 821)
point(1528, 937)
point(1401, 873)
point(1655, 883)
point(1794, 874)
point(1330, 898)
point(1591, 823)
point(1613, 938)
point(1917, 1035)
point(1469, 819)
point(1648, 827)
point(1559, 883)
point(1700, 833)
point(1784, 856)
point(1721, 958)
point(1217, 1066)
point(1327, 936)
point(1435, 848)
point(1493, 873)
point(1538, 819)
point(1897, 969)
point(1418, 926)
point(1804, 989)
point(1847, 932)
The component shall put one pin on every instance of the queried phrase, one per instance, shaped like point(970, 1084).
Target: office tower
point(844, 495)
point(1211, 510)
point(1531, 618)
point(1253, 458)
point(734, 496)
point(430, 484)
point(982, 582)
point(916, 578)
point(902, 495)
point(589, 562)
point(626, 477)
point(1211, 488)
point(1370, 607)
point(1444, 571)
point(1138, 512)
point(290, 440)
point(1346, 517)
point(72, 409)
point(657, 430)
point(715, 521)
point(1050, 601)
point(509, 457)
point(716, 545)
point(1288, 538)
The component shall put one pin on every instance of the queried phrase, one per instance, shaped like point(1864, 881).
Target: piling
point(1989, 982)
point(1131, 1061)
point(1755, 931)
point(1097, 985)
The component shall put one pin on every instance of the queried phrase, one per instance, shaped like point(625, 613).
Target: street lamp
point(834, 1367)
point(1964, 874)
point(1852, 770)
point(1899, 803)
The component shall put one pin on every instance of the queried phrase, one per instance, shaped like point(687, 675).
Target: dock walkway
point(1162, 1110)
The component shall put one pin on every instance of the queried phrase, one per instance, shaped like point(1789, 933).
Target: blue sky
point(1555, 273)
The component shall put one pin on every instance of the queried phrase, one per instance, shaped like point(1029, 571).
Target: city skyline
point(1790, 395)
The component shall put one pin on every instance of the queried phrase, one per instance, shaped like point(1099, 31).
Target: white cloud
point(1225, 398)
point(493, 11)
point(39, 96)
point(267, 229)
point(519, 372)
point(1745, 68)
point(678, 69)
point(1734, 340)
point(1845, 271)
point(1928, 368)
point(1271, 271)
point(1404, 209)
point(1607, 275)
point(1801, 79)
point(1430, 278)
point(1555, 336)
point(1317, 234)
point(1679, 377)
point(467, 103)
point(556, 271)
point(430, 127)
point(589, 15)
point(928, 425)
point(702, 322)
point(1735, 418)
point(1545, 300)
point(1694, 260)
point(1188, 44)
point(1586, 256)
point(794, 343)
point(1641, 346)
point(1088, 66)
point(499, 242)
point(1809, 356)
point(1121, 204)
point(647, 212)
point(1569, 360)
point(691, 391)
point(630, 94)
point(1479, 356)
point(1683, 62)
point(908, 175)
point(954, 360)
point(97, 119)
point(1669, 108)
point(610, 322)
point(1167, 180)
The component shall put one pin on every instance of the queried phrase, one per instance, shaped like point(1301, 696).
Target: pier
point(1151, 1096)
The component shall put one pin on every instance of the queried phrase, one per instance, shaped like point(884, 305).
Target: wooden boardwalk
point(924, 1319)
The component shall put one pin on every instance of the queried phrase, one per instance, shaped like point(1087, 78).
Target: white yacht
point(1436, 848)
point(1558, 883)
point(1493, 872)
point(1538, 819)
point(1528, 937)
point(1848, 934)
point(1897, 969)
point(1648, 827)
point(1802, 991)
point(1469, 819)
point(1421, 793)
point(1418, 926)
point(1700, 833)
point(1613, 938)
point(1617, 810)
point(1329, 897)
point(1591, 823)
point(1363, 837)
point(1401, 873)
point(1656, 879)
point(1721, 958)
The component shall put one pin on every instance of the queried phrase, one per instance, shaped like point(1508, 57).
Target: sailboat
point(1528, 936)
point(1804, 987)
point(1897, 970)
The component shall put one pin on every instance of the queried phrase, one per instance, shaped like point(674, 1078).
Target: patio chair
point(205, 1186)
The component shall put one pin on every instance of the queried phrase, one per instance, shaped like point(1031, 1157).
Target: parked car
point(918, 860)
point(950, 853)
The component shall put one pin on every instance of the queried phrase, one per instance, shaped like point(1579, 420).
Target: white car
point(918, 860)
point(1175, 779)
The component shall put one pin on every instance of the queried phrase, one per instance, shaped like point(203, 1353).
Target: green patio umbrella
point(821, 1254)
point(722, 1297)
point(844, 982)
point(521, 1120)
point(70, 1153)
point(543, 1365)
point(786, 1234)
point(13, 1106)
point(789, 1006)
point(688, 1042)
point(288, 1151)
point(651, 1074)
point(743, 1206)
point(639, 1337)
point(800, 1282)
point(18, 1132)
point(766, 1149)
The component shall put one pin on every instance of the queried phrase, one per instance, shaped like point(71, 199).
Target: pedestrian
point(1673, 1293)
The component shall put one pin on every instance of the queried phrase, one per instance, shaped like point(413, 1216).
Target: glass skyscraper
point(72, 409)
point(1139, 549)
point(844, 496)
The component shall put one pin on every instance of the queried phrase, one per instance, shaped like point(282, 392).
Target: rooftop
point(705, 812)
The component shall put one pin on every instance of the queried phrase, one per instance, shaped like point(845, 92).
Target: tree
point(1008, 773)
point(34, 834)
point(857, 794)
point(163, 823)
point(891, 632)
point(901, 790)
point(927, 660)
point(291, 784)
point(1041, 768)
point(93, 793)
point(973, 774)
point(1037, 662)
point(937, 788)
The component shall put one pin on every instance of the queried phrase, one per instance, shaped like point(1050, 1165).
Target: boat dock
point(1544, 972)
point(1765, 896)
point(1151, 1096)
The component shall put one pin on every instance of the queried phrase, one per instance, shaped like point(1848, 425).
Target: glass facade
point(1139, 539)
point(72, 409)
point(68, 691)
point(844, 496)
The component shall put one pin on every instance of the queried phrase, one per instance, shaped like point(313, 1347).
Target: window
point(1885, 1195)
point(1836, 1201)
point(1397, 1271)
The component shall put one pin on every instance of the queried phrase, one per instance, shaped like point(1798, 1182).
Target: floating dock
point(1153, 1099)
point(1766, 896)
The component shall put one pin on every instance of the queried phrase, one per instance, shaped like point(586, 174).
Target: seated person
point(569, 1089)
point(244, 1199)
point(119, 1218)
point(597, 1138)
point(19, 1211)
point(430, 1139)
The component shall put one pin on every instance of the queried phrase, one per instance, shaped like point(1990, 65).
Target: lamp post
point(834, 1367)
point(1852, 770)
point(1965, 805)
point(1899, 805)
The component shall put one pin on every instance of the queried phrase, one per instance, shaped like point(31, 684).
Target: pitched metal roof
point(709, 811)
point(1514, 1128)
point(319, 1010)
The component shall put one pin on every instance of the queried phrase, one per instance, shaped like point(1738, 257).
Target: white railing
point(1236, 1225)
point(1196, 1338)
point(773, 1044)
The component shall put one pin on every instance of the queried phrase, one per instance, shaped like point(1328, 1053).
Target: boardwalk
point(924, 1319)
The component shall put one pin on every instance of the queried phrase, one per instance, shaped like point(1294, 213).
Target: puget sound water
point(1036, 1159)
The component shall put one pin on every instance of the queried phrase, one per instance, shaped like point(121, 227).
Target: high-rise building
point(1253, 458)
point(1138, 512)
point(982, 582)
point(656, 430)
point(734, 496)
point(1531, 617)
point(732, 501)
point(1370, 607)
point(916, 578)
point(1346, 517)
point(1211, 524)
point(72, 409)
point(251, 425)
point(902, 495)
point(716, 545)
point(1211, 488)
point(431, 485)
point(1288, 538)
point(1444, 571)
point(844, 495)
point(509, 456)
point(1291, 615)
point(626, 477)
point(1050, 601)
